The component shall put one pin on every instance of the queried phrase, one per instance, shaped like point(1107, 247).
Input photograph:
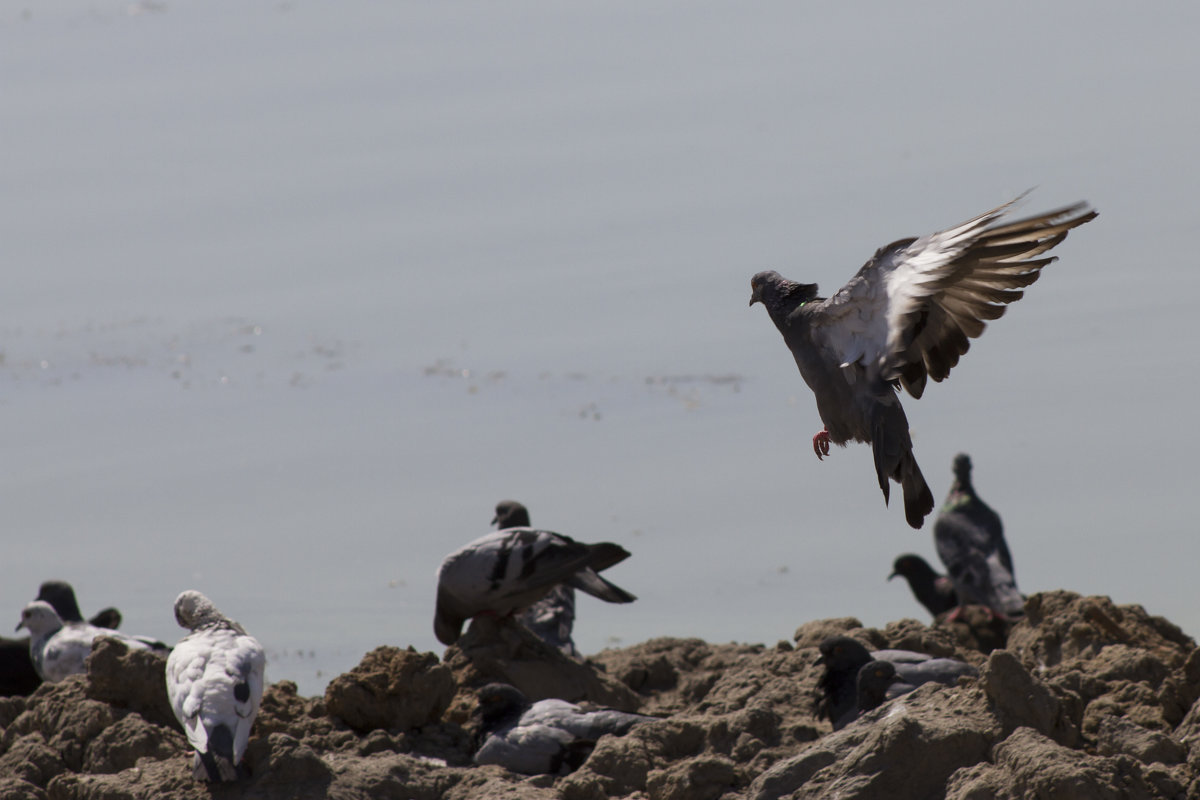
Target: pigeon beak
point(20, 625)
point(754, 298)
point(894, 574)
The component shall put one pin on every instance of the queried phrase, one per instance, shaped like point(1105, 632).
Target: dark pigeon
point(17, 674)
point(509, 570)
point(547, 737)
point(904, 318)
point(970, 542)
point(553, 617)
point(844, 657)
point(932, 590)
point(873, 685)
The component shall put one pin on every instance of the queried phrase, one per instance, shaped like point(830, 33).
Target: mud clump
point(1085, 699)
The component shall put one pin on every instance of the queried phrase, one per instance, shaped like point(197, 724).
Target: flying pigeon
point(553, 617)
point(215, 685)
point(843, 657)
point(904, 318)
point(934, 591)
point(970, 542)
point(510, 570)
point(59, 649)
point(546, 737)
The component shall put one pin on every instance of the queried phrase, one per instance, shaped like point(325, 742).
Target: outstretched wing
point(910, 312)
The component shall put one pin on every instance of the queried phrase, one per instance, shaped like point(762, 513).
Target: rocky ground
point(1086, 700)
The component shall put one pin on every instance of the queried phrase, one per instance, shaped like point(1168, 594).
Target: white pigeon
point(509, 570)
point(215, 685)
point(59, 649)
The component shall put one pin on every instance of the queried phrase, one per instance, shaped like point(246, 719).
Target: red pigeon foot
point(821, 444)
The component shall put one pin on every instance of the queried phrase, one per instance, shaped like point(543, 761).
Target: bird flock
point(906, 317)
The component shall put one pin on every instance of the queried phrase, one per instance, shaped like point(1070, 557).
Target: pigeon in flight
point(904, 318)
point(215, 685)
point(553, 617)
point(934, 591)
point(509, 570)
point(547, 737)
point(844, 657)
point(59, 649)
point(970, 542)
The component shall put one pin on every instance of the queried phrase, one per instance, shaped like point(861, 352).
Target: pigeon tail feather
point(891, 447)
point(586, 580)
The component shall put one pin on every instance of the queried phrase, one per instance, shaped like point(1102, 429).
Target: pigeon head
point(39, 617)
point(911, 565)
point(777, 293)
point(498, 703)
point(962, 468)
point(193, 610)
point(60, 595)
point(872, 684)
point(510, 514)
point(841, 653)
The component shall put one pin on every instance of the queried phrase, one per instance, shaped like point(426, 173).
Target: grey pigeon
point(17, 675)
point(509, 570)
point(546, 737)
point(215, 685)
point(934, 591)
point(970, 542)
point(553, 617)
point(60, 649)
point(843, 657)
point(904, 318)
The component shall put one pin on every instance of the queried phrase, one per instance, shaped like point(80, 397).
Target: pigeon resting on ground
point(215, 685)
point(546, 737)
point(553, 617)
point(970, 542)
point(510, 570)
point(59, 649)
point(843, 657)
point(934, 591)
point(904, 318)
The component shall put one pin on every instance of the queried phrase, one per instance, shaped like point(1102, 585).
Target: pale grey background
point(295, 292)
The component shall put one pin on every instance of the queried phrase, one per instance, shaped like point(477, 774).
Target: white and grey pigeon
point(546, 737)
point(59, 649)
point(509, 570)
point(215, 685)
point(934, 591)
point(904, 318)
point(553, 617)
point(843, 658)
point(970, 542)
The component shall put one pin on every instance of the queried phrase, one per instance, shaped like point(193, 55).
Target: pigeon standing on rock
point(843, 657)
point(970, 542)
point(509, 570)
point(903, 319)
point(59, 649)
point(215, 685)
point(547, 737)
point(934, 591)
point(553, 617)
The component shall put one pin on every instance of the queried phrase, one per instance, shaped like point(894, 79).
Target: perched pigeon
point(970, 542)
point(17, 675)
point(904, 318)
point(934, 591)
point(215, 685)
point(59, 649)
point(509, 570)
point(553, 617)
point(546, 737)
point(843, 657)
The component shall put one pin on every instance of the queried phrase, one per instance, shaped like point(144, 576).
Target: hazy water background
point(295, 292)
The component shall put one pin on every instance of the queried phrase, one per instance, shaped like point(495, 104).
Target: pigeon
point(215, 685)
point(553, 617)
point(59, 649)
point(17, 675)
point(547, 737)
point(904, 318)
point(509, 570)
point(970, 542)
point(843, 657)
point(934, 591)
point(873, 685)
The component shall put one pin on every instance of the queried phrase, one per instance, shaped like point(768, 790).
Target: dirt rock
point(391, 688)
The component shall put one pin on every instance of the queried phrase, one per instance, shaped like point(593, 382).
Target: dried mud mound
point(1086, 700)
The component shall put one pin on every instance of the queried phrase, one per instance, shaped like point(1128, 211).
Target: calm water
point(296, 291)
